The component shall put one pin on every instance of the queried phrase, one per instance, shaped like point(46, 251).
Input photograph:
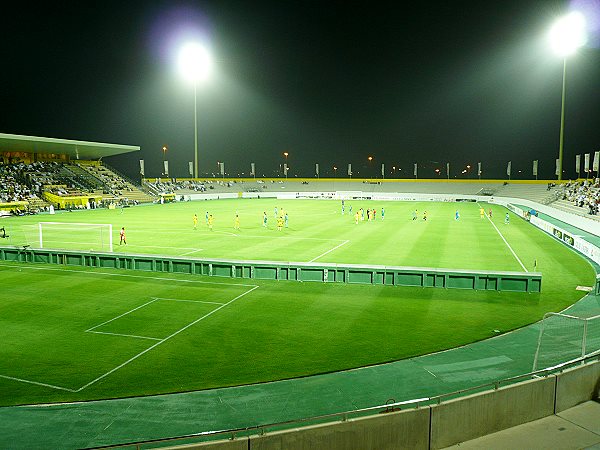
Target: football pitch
point(72, 334)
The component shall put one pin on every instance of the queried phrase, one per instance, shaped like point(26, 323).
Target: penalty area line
point(38, 383)
point(163, 340)
point(329, 251)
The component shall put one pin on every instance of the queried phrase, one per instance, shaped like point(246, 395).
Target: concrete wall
point(480, 414)
point(238, 444)
point(404, 429)
point(578, 385)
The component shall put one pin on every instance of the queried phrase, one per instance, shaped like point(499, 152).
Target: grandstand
point(37, 173)
point(581, 198)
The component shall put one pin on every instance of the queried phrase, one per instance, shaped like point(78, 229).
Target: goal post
point(565, 337)
point(71, 236)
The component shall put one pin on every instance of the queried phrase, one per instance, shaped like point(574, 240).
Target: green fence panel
point(399, 276)
point(461, 281)
point(360, 276)
point(42, 257)
point(265, 273)
point(513, 284)
point(10, 254)
point(145, 264)
point(312, 274)
point(108, 262)
point(409, 279)
point(186, 267)
point(221, 270)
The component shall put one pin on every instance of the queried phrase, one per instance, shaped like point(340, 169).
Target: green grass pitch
point(73, 334)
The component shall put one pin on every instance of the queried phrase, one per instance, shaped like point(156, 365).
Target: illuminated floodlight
point(195, 62)
point(568, 34)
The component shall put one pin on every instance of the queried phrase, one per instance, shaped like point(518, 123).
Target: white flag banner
point(222, 168)
point(142, 167)
point(448, 170)
point(557, 171)
point(317, 169)
point(586, 163)
point(285, 169)
point(166, 168)
point(383, 170)
point(577, 164)
point(415, 170)
point(508, 167)
point(596, 161)
point(535, 168)
point(349, 170)
point(479, 169)
point(252, 169)
point(191, 168)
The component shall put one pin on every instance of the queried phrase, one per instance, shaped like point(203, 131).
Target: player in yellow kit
point(236, 222)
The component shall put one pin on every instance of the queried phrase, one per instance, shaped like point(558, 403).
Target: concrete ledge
point(577, 385)
point(238, 444)
point(404, 429)
point(480, 414)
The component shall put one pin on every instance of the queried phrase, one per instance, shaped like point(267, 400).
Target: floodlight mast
point(566, 36)
point(195, 64)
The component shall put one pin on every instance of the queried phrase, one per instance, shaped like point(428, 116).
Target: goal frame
point(99, 226)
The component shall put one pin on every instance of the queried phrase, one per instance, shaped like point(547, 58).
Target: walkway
point(575, 428)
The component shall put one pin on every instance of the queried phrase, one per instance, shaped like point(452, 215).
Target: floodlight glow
point(195, 62)
point(568, 34)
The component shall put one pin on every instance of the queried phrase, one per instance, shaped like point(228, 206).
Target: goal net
point(564, 337)
point(70, 236)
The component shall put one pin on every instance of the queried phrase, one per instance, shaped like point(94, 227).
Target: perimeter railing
point(390, 406)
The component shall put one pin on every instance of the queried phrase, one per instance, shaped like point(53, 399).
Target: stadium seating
point(28, 183)
point(581, 198)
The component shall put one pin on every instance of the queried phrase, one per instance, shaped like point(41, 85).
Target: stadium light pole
point(566, 36)
point(195, 63)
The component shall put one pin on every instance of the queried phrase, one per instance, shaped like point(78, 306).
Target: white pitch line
point(193, 251)
point(190, 301)
point(124, 335)
point(124, 314)
point(507, 244)
point(37, 383)
point(163, 340)
point(329, 251)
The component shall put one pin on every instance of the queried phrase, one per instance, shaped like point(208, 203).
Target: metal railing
point(393, 406)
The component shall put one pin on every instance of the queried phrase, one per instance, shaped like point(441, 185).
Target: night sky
point(330, 82)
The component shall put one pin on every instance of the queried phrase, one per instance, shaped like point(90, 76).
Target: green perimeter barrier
point(273, 270)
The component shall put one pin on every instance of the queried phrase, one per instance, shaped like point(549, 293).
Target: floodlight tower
point(566, 36)
point(195, 64)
